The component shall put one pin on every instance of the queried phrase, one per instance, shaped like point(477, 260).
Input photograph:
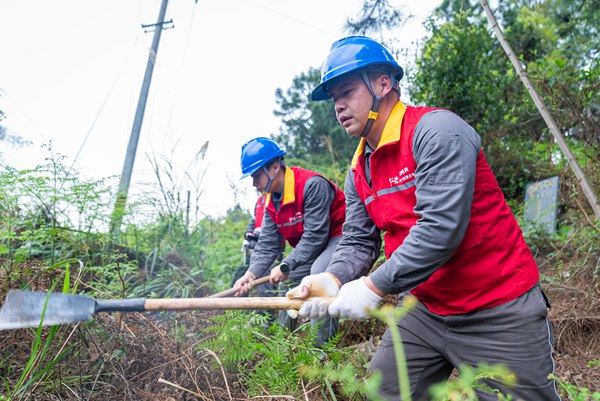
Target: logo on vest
point(403, 176)
point(296, 217)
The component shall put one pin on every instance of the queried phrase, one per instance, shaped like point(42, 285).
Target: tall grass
point(47, 350)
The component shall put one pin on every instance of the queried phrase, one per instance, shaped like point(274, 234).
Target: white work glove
point(242, 285)
point(354, 301)
point(317, 285)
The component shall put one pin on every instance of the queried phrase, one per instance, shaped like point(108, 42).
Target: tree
point(376, 16)
point(462, 68)
point(540, 104)
point(310, 132)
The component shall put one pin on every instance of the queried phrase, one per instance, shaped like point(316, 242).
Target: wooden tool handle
point(280, 303)
point(231, 291)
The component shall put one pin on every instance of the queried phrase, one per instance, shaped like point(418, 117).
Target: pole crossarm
point(164, 25)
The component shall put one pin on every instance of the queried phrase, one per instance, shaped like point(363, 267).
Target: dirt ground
point(575, 317)
point(161, 366)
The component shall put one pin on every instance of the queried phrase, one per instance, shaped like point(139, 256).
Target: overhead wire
point(148, 126)
point(120, 73)
point(112, 87)
point(181, 65)
point(291, 18)
point(22, 111)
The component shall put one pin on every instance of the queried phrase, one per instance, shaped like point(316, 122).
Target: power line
point(183, 57)
point(292, 18)
point(94, 122)
point(21, 110)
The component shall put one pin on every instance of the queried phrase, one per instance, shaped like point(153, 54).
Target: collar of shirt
point(368, 152)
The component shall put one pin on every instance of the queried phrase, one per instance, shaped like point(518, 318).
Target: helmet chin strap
point(374, 107)
point(268, 187)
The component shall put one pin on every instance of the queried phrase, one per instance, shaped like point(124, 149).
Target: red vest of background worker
point(301, 207)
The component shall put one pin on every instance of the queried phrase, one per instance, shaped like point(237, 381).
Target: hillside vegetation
point(54, 232)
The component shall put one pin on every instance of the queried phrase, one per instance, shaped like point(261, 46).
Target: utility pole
point(121, 201)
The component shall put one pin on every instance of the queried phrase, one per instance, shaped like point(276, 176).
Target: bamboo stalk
point(558, 136)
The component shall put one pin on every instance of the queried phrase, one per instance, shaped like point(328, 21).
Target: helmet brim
point(250, 172)
point(319, 93)
point(256, 167)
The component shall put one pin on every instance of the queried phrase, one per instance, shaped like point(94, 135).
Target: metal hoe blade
point(24, 309)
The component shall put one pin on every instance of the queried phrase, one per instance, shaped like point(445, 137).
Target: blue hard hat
point(349, 55)
point(256, 153)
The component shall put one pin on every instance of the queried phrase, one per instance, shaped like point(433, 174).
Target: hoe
point(34, 308)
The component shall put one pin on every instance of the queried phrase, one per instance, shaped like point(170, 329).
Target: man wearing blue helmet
point(302, 208)
point(419, 175)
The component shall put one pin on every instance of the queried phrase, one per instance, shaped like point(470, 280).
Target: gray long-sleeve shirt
point(445, 149)
point(318, 197)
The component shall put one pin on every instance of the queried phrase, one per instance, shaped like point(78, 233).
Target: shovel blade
point(25, 308)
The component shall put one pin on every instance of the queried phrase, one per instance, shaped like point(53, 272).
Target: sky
point(71, 73)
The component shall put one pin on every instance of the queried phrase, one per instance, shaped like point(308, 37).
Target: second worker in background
point(302, 207)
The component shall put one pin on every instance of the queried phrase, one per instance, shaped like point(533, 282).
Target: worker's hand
point(316, 285)
point(354, 301)
point(242, 285)
point(277, 276)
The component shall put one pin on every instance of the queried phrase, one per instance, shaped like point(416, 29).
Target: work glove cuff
point(320, 285)
point(367, 293)
point(330, 284)
point(354, 301)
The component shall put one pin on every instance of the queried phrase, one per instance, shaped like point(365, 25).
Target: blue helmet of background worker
point(354, 54)
point(256, 153)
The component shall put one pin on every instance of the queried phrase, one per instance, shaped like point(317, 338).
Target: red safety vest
point(492, 265)
point(259, 211)
point(290, 217)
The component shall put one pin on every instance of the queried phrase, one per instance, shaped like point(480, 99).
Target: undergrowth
point(269, 358)
point(48, 215)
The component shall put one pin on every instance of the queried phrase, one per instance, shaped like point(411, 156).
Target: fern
point(268, 359)
point(281, 355)
point(235, 337)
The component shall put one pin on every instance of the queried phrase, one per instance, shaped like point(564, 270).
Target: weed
point(41, 363)
point(354, 381)
point(574, 392)
point(472, 379)
point(269, 360)
point(277, 360)
point(171, 282)
point(236, 337)
point(593, 362)
point(47, 213)
point(111, 279)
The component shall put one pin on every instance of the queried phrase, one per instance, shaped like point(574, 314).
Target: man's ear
point(384, 84)
point(276, 166)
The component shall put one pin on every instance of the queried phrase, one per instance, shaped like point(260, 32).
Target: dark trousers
point(516, 334)
point(328, 326)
